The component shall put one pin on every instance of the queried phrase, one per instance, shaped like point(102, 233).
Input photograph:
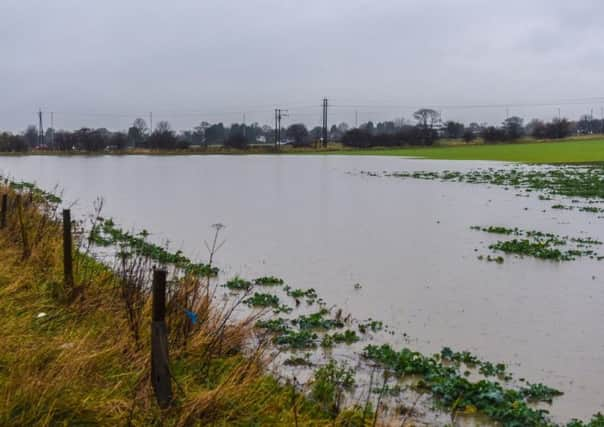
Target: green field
point(566, 151)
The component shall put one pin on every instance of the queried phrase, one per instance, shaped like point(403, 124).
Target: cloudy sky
point(103, 63)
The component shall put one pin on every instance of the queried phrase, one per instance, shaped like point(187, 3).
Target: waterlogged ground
point(319, 222)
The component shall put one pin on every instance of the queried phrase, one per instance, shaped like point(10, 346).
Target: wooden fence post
point(160, 370)
point(4, 209)
point(67, 251)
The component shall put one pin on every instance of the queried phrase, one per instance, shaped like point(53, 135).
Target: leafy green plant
point(452, 391)
point(539, 393)
point(298, 361)
point(238, 284)
point(347, 337)
point(268, 281)
point(278, 325)
point(329, 385)
point(310, 295)
point(498, 230)
point(317, 321)
point(267, 300)
point(370, 325)
point(297, 339)
point(596, 421)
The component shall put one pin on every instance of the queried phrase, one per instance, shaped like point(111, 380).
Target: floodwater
point(317, 222)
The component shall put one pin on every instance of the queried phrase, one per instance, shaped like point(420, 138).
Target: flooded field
point(319, 222)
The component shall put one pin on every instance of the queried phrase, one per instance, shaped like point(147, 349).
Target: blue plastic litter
point(192, 316)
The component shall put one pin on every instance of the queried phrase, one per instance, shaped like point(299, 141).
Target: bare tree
point(31, 136)
point(140, 125)
point(137, 131)
point(163, 126)
point(426, 119)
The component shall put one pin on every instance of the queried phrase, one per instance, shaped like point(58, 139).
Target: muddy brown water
point(317, 222)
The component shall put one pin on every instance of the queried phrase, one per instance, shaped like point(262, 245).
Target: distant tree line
point(426, 128)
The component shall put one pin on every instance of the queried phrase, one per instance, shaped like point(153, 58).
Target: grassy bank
point(69, 355)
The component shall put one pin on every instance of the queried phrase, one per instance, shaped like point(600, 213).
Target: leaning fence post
point(4, 209)
point(67, 251)
point(160, 371)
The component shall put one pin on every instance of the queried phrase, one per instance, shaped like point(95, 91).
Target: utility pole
point(279, 113)
point(276, 127)
point(41, 129)
point(356, 118)
point(591, 121)
point(151, 122)
point(52, 126)
point(325, 103)
point(244, 133)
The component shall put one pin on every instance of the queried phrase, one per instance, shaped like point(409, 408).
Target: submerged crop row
point(34, 191)
point(456, 394)
point(105, 233)
point(537, 244)
point(585, 182)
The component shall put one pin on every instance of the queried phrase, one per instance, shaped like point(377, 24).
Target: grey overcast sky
point(103, 63)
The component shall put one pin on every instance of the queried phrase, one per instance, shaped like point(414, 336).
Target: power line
point(577, 101)
point(306, 111)
point(261, 109)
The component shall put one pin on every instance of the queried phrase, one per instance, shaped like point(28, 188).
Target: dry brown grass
point(74, 361)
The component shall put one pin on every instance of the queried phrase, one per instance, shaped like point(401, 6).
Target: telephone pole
point(151, 122)
point(276, 127)
point(591, 121)
point(41, 129)
point(324, 136)
point(279, 113)
point(52, 126)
